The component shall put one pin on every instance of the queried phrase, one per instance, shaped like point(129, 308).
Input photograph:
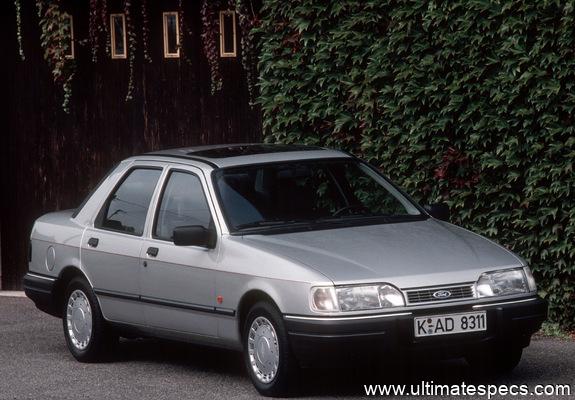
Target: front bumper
point(325, 340)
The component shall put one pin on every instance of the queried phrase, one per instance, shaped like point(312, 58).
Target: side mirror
point(194, 235)
point(439, 211)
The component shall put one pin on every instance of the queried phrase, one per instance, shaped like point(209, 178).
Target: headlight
point(502, 283)
point(358, 298)
point(355, 298)
point(323, 299)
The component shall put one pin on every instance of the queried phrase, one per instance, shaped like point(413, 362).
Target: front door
point(178, 282)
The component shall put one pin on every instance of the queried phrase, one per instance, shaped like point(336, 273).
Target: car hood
point(408, 254)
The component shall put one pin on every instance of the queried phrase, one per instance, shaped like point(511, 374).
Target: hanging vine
point(145, 30)
point(55, 31)
point(55, 41)
point(18, 7)
point(131, 34)
point(93, 29)
point(104, 24)
point(209, 40)
point(98, 25)
point(248, 21)
point(183, 31)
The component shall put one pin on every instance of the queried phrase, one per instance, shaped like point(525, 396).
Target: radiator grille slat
point(427, 295)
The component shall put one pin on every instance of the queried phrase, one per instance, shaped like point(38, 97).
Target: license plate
point(448, 324)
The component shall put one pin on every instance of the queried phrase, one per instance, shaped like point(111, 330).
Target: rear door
point(178, 282)
point(111, 247)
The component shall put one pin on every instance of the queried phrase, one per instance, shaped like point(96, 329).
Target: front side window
point(309, 192)
point(183, 203)
point(126, 209)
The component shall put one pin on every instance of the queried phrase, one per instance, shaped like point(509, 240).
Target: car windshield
point(304, 192)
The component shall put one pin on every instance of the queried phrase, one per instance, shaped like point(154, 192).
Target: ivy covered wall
point(469, 102)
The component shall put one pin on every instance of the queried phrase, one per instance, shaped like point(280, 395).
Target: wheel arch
point(66, 275)
point(248, 300)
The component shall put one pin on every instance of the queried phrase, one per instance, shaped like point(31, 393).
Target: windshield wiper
point(358, 217)
point(350, 217)
point(271, 223)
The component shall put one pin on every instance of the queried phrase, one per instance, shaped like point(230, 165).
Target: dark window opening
point(228, 33)
point(247, 150)
point(171, 35)
point(118, 35)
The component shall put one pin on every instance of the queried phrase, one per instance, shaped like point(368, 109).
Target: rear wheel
point(87, 335)
point(269, 361)
point(496, 361)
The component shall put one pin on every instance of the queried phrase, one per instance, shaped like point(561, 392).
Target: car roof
point(227, 155)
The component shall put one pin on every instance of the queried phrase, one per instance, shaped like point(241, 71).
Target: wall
point(51, 159)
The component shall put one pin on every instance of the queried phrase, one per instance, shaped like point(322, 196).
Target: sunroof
point(247, 150)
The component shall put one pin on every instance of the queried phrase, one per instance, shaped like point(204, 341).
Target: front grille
point(427, 295)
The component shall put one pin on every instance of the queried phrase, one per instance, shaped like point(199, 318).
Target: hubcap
point(79, 319)
point(263, 349)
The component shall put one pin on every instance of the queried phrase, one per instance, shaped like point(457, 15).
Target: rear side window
point(126, 209)
point(183, 203)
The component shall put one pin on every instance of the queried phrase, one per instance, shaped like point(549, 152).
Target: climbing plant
point(210, 32)
point(55, 41)
point(184, 31)
point(132, 43)
point(247, 14)
point(104, 24)
point(55, 28)
point(249, 21)
point(466, 102)
point(145, 30)
point(93, 29)
point(18, 8)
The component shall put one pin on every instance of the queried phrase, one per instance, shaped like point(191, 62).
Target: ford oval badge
point(442, 294)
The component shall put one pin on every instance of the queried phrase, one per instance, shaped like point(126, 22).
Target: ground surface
point(35, 364)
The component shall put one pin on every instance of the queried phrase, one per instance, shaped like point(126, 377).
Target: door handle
point(93, 242)
point(152, 251)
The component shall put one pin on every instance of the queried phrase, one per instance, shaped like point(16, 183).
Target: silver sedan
point(294, 255)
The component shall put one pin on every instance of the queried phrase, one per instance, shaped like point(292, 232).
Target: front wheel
point(269, 361)
point(87, 335)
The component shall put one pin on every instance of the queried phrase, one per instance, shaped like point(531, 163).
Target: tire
point(495, 361)
point(282, 381)
point(87, 334)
